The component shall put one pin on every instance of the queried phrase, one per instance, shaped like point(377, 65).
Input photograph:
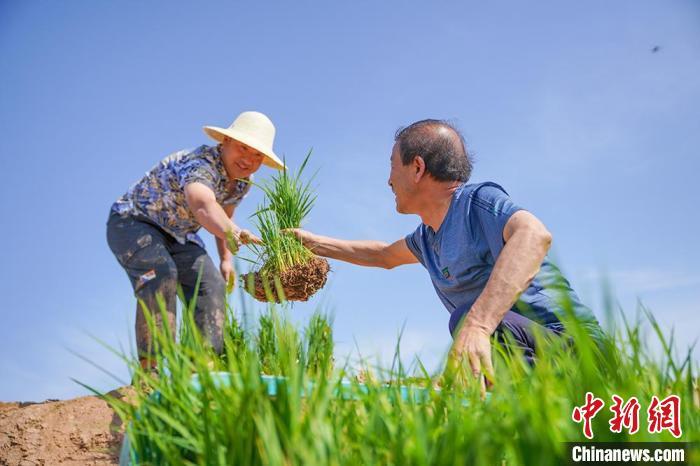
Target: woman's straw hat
point(254, 130)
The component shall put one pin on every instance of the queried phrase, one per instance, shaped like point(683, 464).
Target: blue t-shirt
point(460, 257)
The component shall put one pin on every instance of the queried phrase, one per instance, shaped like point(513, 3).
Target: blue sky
point(563, 103)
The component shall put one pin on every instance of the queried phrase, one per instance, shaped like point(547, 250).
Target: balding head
point(441, 147)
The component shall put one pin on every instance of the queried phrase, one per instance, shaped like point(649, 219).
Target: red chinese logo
point(626, 415)
point(665, 415)
point(662, 414)
point(587, 412)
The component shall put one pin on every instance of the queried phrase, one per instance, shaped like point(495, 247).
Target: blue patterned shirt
point(160, 194)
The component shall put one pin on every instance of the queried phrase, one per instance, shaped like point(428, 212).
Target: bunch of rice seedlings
point(280, 251)
point(287, 269)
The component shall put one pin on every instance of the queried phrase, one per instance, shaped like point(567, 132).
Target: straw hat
point(254, 130)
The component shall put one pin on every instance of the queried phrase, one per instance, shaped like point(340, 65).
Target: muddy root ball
point(299, 282)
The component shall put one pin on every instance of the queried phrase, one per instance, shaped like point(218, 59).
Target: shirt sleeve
point(492, 208)
point(413, 241)
point(198, 170)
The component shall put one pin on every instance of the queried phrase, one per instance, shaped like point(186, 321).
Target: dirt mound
point(299, 282)
point(82, 431)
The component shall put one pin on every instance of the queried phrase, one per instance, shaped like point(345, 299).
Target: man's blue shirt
point(460, 257)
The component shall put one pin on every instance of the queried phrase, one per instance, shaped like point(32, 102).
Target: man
point(152, 229)
point(485, 255)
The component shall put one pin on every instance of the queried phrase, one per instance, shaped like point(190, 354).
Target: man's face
point(401, 182)
point(242, 160)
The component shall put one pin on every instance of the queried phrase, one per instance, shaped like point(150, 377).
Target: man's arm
point(526, 244)
point(368, 253)
point(224, 254)
point(202, 202)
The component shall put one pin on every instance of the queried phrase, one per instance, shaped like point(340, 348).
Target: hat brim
point(270, 158)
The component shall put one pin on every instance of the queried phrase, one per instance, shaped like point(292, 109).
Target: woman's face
point(240, 160)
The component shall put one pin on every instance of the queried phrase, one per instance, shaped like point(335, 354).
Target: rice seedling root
point(299, 282)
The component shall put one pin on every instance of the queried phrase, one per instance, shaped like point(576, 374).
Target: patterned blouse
point(160, 194)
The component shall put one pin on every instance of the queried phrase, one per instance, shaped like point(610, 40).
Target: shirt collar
point(219, 162)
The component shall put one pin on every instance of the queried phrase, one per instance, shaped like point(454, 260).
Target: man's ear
point(419, 168)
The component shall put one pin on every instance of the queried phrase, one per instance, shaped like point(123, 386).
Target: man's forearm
point(224, 254)
point(516, 266)
point(213, 218)
point(364, 252)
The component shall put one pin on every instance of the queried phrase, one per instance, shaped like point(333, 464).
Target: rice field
point(324, 411)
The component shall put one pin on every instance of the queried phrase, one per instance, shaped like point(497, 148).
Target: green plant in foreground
point(289, 200)
point(525, 420)
point(319, 352)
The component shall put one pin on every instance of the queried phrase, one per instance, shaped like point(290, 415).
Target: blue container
point(347, 391)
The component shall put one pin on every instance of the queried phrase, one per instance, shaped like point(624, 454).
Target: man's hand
point(229, 274)
point(246, 237)
point(307, 238)
point(473, 343)
point(238, 237)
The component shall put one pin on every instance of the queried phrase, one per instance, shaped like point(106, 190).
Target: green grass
point(525, 420)
point(288, 200)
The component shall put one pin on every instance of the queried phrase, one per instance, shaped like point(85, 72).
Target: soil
point(82, 431)
point(299, 282)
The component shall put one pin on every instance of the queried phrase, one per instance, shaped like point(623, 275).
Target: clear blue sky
point(563, 103)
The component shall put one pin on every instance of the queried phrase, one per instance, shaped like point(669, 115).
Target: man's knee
point(161, 280)
point(214, 286)
point(211, 295)
point(211, 281)
point(211, 316)
point(518, 329)
point(155, 290)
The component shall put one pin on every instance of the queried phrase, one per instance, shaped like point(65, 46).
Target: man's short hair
point(441, 146)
